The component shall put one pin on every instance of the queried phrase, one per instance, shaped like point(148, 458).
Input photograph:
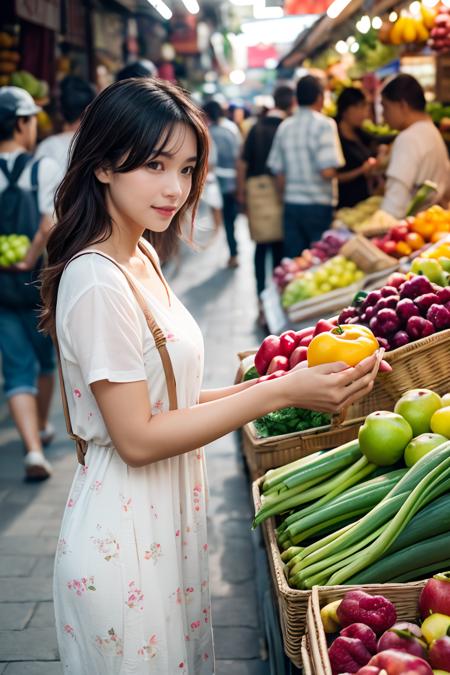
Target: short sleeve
point(275, 161)
point(49, 177)
point(328, 154)
point(105, 335)
point(402, 165)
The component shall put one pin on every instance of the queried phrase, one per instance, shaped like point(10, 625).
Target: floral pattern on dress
point(112, 643)
point(62, 549)
point(158, 407)
point(80, 586)
point(153, 552)
point(108, 546)
point(148, 650)
point(126, 503)
point(135, 597)
point(96, 486)
point(69, 630)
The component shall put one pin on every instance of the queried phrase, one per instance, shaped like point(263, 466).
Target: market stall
point(360, 500)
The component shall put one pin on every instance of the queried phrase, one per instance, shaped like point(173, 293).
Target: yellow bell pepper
point(350, 343)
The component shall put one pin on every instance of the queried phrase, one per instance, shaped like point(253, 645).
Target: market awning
point(326, 31)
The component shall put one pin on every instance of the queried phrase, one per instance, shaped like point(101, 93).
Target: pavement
point(224, 303)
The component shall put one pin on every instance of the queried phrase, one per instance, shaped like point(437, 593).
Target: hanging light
point(192, 6)
point(393, 16)
point(414, 8)
point(162, 8)
point(354, 47)
point(377, 22)
point(364, 24)
point(341, 47)
point(336, 8)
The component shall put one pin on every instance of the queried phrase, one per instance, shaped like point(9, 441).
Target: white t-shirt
point(49, 177)
point(418, 154)
point(56, 147)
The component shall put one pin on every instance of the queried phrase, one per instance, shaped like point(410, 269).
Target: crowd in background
point(286, 167)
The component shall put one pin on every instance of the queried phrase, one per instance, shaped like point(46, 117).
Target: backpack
point(19, 214)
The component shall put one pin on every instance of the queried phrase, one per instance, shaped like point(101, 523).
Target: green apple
point(383, 437)
point(421, 445)
point(417, 406)
point(445, 264)
point(429, 267)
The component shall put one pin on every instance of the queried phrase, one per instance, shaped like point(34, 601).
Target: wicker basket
point(307, 664)
point(292, 604)
point(404, 596)
point(262, 454)
point(421, 364)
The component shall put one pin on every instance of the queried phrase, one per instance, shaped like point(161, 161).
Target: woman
point(131, 571)
point(352, 110)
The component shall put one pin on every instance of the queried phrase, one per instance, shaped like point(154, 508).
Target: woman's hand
point(330, 387)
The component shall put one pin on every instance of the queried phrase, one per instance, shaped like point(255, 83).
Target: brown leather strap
point(158, 336)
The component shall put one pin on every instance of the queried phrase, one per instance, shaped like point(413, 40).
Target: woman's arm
point(363, 170)
point(207, 395)
point(142, 439)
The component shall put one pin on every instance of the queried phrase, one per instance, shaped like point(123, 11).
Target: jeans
point(230, 210)
point(273, 250)
point(26, 353)
point(303, 224)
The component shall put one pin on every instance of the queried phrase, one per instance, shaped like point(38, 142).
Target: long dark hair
point(127, 124)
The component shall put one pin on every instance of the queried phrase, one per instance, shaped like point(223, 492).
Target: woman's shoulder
point(91, 270)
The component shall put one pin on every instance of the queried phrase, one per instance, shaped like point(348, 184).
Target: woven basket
point(307, 664)
point(404, 596)
point(421, 364)
point(292, 604)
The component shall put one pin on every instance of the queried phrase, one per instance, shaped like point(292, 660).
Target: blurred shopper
point(226, 137)
point(141, 68)
point(352, 110)
point(211, 194)
point(131, 575)
point(418, 153)
point(27, 188)
point(305, 156)
point(256, 189)
point(75, 96)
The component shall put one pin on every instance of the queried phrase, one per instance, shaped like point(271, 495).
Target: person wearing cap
point(26, 354)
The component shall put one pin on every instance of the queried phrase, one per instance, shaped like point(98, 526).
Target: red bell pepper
point(278, 363)
point(272, 376)
point(298, 355)
point(304, 332)
point(269, 348)
point(304, 342)
point(287, 344)
point(323, 326)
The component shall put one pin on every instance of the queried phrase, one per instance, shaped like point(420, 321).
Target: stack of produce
point(372, 642)
point(13, 248)
point(356, 216)
point(338, 272)
point(407, 309)
point(320, 251)
point(279, 354)
point(414, 233)
point(378, 130)
point(440, 33)
point(9, 56)
point(373, 510)
point(409, 27)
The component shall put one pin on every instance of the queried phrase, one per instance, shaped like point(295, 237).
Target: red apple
point(405, 637)
point(405, 309)
point(417, 327)
point(400, 663)
point(435, 596)
point(439, 654)
point(396, 279)
point(425, 301)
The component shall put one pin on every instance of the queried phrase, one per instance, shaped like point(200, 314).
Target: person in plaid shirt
point(304, 158)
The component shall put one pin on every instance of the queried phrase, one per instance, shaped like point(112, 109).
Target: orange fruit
point(423, 227)
point(403, 248)
point(415, 240)
point(438, 235)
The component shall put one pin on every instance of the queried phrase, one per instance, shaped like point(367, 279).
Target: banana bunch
point(411, 28)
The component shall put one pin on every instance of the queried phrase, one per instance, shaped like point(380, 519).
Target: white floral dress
point(131, 572)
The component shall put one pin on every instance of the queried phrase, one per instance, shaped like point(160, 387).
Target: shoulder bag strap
point(160, 342)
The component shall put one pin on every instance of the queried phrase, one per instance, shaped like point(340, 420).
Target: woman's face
point(150, 196)
point(356, 114)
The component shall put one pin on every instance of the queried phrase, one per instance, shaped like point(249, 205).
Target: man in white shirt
point(305, 155)
point(26, 354)
point(76, 94)
point(418, 153)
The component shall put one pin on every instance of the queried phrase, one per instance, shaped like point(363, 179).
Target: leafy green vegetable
point(250, 374)
point(287, 420)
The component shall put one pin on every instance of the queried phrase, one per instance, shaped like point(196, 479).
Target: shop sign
point(42, 12)
point(306, 6)
point(183, 34)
